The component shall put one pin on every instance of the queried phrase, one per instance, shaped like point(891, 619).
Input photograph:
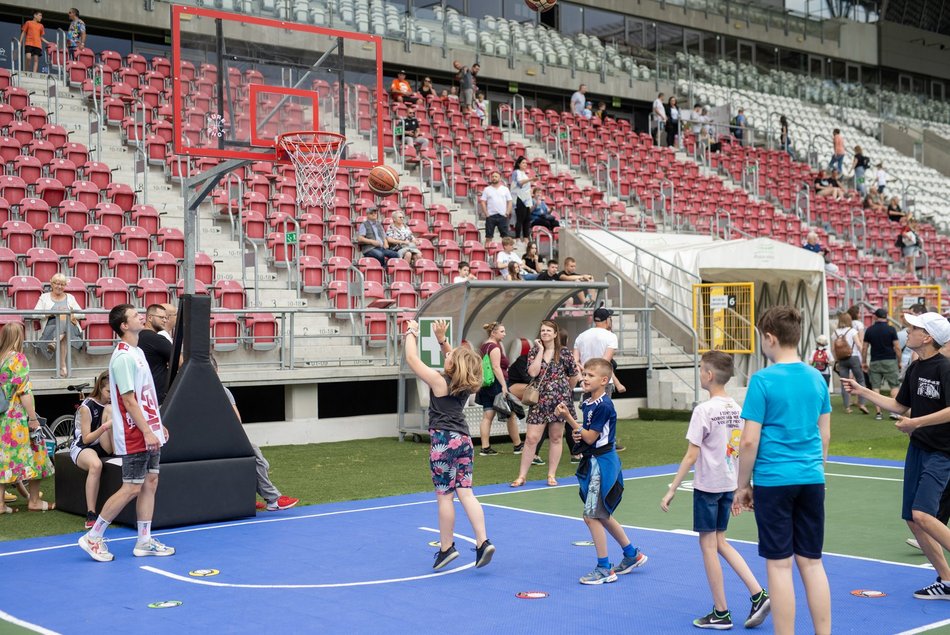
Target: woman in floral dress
point(554, 365)
point(20, 459)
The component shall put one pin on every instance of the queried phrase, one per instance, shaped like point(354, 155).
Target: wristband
point(413, 332)
point(442, 343)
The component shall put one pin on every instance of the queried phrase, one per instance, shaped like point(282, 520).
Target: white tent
point(669, 264)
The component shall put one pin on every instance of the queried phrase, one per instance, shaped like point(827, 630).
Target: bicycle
point(64, 426)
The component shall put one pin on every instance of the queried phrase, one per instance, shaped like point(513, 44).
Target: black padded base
point(189, 493)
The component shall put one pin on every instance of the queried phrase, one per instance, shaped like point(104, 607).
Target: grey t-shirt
point(448, 413)
point(467, 80)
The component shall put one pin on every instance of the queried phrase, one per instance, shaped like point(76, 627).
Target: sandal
point(847, 411)
point(551, 481)
point(8, 510)
point(45, 507)
point(518, 482)
point(864, 410)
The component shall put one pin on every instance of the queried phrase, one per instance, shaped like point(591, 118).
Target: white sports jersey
point(128, 371)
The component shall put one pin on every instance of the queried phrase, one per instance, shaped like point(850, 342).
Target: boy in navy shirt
point(784, 445)
point(599, 473)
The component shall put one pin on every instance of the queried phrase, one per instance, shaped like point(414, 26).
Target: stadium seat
point(426, 289)
point(59, 237)
point(171, 240)
point(85, 192)
point(399, 270)
point(84, 263)
point(152, 291)
point(146, 217)
point(163, 266)
point(135, 239)
point(12, 189)
point(110, 215)
point(27, 168)
point(35, 211)
point(63, 170)
point(262, 333)
point(121, 195)
point(19, 237)
point(225, 332)
point(98, 238)
point(204, 268)
point(230, 294)
point(311, 274)
point(124, 265)
point(404, 294)
point(372, 270)
point(42, 263)
point(50, 190)
point(9, 265)
point(74, 214)
point(100, 338)
point(24, 291)
point(280, 252)
point(111, 292)
point(337, 267)
point(77, 287)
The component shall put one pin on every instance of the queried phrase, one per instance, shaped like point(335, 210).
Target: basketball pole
point(196, 190)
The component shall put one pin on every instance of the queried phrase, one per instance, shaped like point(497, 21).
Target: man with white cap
point(925, 393)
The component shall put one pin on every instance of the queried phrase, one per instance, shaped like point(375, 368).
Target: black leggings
point(522, 219)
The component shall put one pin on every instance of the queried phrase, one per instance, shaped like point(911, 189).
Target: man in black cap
point(885, 359)
point(400, 88)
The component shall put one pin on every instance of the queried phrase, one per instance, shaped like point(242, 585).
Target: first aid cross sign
point(429, 350)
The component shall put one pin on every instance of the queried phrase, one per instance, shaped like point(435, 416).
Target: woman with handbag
point(21, 458)
point(496, 358)
point(555, 373)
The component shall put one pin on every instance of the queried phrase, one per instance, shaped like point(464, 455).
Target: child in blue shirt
point(784, 446)
point(599, 473)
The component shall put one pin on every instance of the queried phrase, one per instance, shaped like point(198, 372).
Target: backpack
point(820, 360)
point(734, 125)
point(841, 347)
point(488, 375)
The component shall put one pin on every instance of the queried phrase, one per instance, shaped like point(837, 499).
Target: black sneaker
point(714, 621)
point(91, 518)
point(538, 461)
point(878, 417)
point(936, 591)
point(484, 554)
point(489, 451)
point(761, 606)
point(575, 459)
point(442, 558)
point(518, 448)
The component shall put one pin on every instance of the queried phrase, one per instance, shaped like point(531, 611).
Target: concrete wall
point(900, 139)
point(936, 152)
point(908, 49)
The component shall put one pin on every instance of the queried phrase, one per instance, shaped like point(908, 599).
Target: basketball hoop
point(315, 156)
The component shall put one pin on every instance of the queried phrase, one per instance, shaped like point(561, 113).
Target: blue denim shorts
point(711, 510)
point(925, 478)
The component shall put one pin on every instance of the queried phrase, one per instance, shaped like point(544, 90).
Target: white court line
point(543, 488)
point(869, 478)
point(925, 628)
point(886, 467)
point(683, 532)
point(36, 628)
point(329, 585)
point(224, 526)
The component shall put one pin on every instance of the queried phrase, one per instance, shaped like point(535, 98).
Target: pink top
point(839, 143)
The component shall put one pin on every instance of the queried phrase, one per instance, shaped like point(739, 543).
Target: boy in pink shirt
point(714, 432)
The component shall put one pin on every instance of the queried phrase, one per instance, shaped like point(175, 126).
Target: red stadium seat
point(111, 292)
point(78, 289)
point(19, 237)
point(35, 211)
point(152, 291)
point(59, 237)
point(262, 334)
point(171, 240)
point(9, 265)
point(110, 215)
point(85, 264)
point(146, 217)
point(311, 274)
point(163, 266)
point(124, 265)
point(230, 294)
point(24, 291)
point(135, 239)
point(74, 214)
point(51, 191)
point(42, 263)
point(100, 338)
point(225, 332)
point(85, 192)
point(204, 268)
point(98, 238)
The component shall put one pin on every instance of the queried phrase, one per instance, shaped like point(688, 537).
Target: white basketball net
point(315, 157)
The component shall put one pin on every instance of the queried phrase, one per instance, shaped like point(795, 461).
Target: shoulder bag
point(531, 392)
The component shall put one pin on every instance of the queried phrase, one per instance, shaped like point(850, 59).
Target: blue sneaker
point(152, 548)
point(600, 575)
point(629, 564)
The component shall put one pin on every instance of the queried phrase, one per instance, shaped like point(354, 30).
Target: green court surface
point(862, 510)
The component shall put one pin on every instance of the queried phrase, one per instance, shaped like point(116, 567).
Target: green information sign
point(429, 350)
point(616, 102)
point(290, 238)
point(512, 87)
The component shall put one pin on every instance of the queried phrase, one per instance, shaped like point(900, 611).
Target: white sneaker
point(152, 548)
point(913, 543)
point(96, 547)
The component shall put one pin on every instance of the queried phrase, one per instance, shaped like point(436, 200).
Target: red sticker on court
point(868, 593)
point(531, 595)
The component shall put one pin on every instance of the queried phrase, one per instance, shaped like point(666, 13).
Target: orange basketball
point(383, 180)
